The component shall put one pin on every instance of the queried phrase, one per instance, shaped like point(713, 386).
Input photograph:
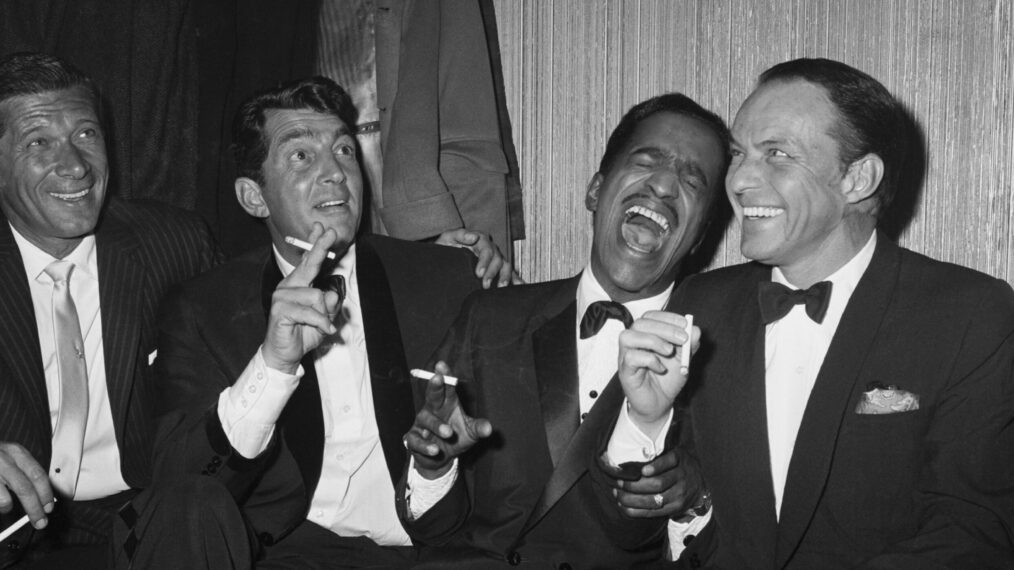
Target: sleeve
point(422, 493)
point(249, 409)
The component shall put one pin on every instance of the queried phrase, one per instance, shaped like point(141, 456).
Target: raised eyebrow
point(297, 133)
point(652, 151)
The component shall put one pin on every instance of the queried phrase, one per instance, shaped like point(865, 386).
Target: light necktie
point(68, 436)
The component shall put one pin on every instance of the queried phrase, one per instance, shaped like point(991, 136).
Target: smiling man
point(282, 375)
point(81, 276)
point(539, 366)
point(854, 404)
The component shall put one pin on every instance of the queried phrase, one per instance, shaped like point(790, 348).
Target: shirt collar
point(590, 290)
point(36, 260)
point(346, 266)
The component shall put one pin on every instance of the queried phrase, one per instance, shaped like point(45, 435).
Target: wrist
point(649, 424)
point(279, 364)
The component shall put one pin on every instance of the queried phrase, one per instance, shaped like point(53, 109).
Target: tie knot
point(776, 300)
point(599, 312)
point(59, 270)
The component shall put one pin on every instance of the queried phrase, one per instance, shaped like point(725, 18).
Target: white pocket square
point(889, 400)
point(152, 357)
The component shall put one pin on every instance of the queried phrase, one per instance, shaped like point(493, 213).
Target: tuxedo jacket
point(927, 488)
point(211, 328)
point(142, 249)
point(532, 493)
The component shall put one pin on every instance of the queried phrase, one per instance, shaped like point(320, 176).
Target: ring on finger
point(659, 500)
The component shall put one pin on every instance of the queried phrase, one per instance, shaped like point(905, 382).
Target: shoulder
point(520, 308)
point(233, 282)
point(939, 285)
point(720, 283)
point(152, 218)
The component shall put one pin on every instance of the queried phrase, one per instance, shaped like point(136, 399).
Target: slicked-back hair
point(870, 119)
point(676, 103)
point(32, 73)
point(250, 145)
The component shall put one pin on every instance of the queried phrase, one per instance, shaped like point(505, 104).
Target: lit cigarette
point(685, 353)
point(304, 245)
point(427, 375)
point(15, 527)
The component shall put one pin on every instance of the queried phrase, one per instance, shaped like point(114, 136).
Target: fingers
point(506, 275)
point(309, 266)
point(305, 306)
point(23, 478)
point(663, 504)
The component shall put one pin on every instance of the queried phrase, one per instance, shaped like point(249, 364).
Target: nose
point(331, 171)
point(742, 175)
point(664, 183)
point(70, 163)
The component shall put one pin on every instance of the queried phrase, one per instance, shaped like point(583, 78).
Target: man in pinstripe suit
point(121, 258)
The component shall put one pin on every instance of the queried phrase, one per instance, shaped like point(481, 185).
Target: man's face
point(310, 175)
point(786, 180)
point(650, 207)
point(53, 167)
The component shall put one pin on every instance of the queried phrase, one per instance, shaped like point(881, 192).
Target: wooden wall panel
point(572, 67)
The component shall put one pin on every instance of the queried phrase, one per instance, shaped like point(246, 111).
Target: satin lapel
point(20, 340)
point(302, 420)
point(392, 388)
point(555, 354)
point(581, 451)
point(122, 288)
point(830, 399)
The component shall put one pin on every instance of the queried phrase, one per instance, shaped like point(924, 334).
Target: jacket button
point(513, 558)
point(216, 460)
point(688, 539)
point(14, 546)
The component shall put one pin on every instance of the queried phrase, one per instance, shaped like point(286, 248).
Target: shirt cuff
point(629, 443)
point(249, 408)
point(422, 493)
point(679, 532)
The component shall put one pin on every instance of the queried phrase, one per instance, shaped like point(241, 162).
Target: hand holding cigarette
point(654, 361)
point(301, 315)
point(442, 429)
point(25, 482)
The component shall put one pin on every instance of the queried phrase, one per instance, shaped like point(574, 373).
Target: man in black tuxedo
point(522, 485)
point(76, 428)
point(853, 402)
point(286, 394)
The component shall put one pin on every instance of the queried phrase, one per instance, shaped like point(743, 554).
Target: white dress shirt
point(794, 350)
point(100, 462)
point(355, 495)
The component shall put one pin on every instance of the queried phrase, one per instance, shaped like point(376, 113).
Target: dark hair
point(870, 119)
point(676, 103)
point(249, 145)
point(29, 73)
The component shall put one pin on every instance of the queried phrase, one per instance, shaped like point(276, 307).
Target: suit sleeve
point(964, 493)
point(190, 438)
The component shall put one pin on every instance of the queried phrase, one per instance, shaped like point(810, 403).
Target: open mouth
point(71, 197)
point(761, 212)
point(644, 229)
point(330, 204)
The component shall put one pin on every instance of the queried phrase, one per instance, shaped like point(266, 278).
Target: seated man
point(855, 408)
point(285, 403)
point(544, 377)
point(82, 277)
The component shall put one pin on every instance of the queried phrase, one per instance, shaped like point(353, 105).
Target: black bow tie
point(334, 283)
point(776, 300)
point(600, 311)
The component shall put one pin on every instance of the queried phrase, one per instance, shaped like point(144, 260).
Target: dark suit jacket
point(142, 249)
point(531, 492)
point(211, 327)
point(921, 489)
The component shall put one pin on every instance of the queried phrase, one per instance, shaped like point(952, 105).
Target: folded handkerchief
point(152, 357)
point(889, 400)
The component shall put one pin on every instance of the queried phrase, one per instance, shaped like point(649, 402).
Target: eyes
point(305, 156)
point(85, 135)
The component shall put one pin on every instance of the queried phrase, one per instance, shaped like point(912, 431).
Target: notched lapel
point(20, 340)
point(831, 396)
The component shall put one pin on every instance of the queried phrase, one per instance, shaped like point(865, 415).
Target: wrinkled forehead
point(283, 125)
point(785, 110)
point(28, 109)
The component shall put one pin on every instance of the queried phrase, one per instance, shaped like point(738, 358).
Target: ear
point(863, 178)
point(251, 198)
point(591, 197)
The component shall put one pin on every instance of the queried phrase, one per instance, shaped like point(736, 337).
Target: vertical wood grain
point(572, 67)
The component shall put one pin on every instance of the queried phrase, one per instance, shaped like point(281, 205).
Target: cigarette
point(685, 353)
point(305, 246)
point(15, 527)
point(427, 375)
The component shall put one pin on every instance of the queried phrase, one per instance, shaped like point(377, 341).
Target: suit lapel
point(121, 290)
point(830, 399)
point(20, 340)
point(392, 388)
point(555, 354)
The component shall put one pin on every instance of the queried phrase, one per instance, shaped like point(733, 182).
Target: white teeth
point(73, 196)
point(651, 215)
point(762, 212)
point(331, 203)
